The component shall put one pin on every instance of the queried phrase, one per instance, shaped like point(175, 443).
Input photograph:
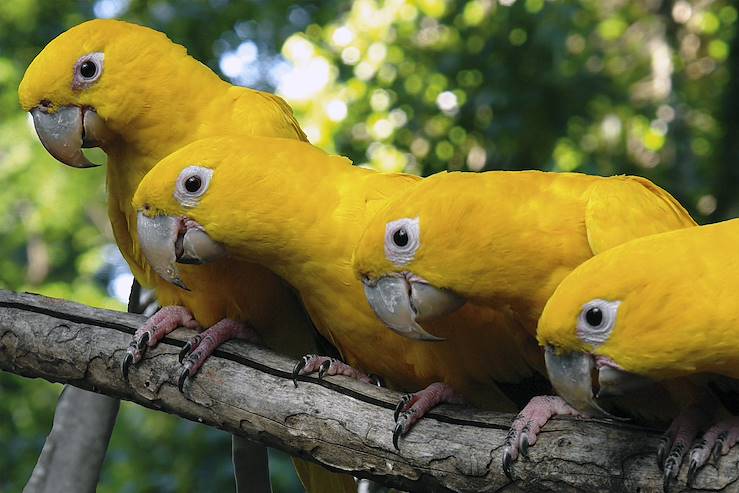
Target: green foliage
point(643, 87)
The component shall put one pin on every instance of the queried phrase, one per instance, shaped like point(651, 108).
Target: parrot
point(299, 211)
point(502, 239)
point(137, 95)
point(655, 309)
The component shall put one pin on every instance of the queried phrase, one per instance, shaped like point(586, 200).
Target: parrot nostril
point(45, 104)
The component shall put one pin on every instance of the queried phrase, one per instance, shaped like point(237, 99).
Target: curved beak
point(614, 382)
point(575, 376)
point(400, 303)
point(167, 240)
point(65, 132)
point(197, 247)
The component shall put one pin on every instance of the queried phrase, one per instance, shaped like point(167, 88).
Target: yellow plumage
point(154, 98)
point(506, 239)
point(668, 315)
point(300, 212)
point(679, 314)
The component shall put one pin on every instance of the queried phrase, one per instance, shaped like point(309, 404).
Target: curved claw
point(299, 366)
point(507, 463)
point(664, 444)
point(325, 366)
point(184, 351)
point(397, 432)
point(126, 364)
point(376, 379)
point(692, 470)
point(141, 343)
point(184, 375)
point(401, 406)
point(524, 445)
point(669, 475)
point(717, 447)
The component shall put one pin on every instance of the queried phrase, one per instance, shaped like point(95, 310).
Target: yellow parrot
point(653, 309)
point(131, 91)
point(300, 212)
point(503, 240)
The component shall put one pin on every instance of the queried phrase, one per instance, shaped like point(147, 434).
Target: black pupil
point(400, 237)
point(594, 316)
point(192, 184)
point(88, 69)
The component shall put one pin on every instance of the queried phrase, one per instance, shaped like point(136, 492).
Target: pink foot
point(717, 441)
point(154, 330)
point(330, 366)
point(525, 428)
point(202, 345)
point(677, 439)
point(413, 407)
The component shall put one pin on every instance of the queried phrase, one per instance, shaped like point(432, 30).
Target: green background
point(644, 87)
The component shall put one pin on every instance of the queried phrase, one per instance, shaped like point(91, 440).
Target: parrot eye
point(192, 184)
point(402, 239)
point(87, 70)
point(596, 321)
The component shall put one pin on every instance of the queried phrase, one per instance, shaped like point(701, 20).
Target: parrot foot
point(675, 442)
point(201, 346)
point(154, 330)
point(330, 366)
point(413, 407)
point(717, 441)
point(525, 428)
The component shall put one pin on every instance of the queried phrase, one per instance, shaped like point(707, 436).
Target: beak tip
point(61, 134)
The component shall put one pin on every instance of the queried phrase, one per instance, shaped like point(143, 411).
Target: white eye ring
point(402, 239)
point(185, 193)
point(81, 81)
point(600, 311)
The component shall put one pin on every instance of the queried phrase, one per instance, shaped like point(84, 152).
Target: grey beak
point(572, 377)
point(199, 248)
point(614, 382)
point(430, 302)
point(65, 132)
point(400, 303)
point(158, 238)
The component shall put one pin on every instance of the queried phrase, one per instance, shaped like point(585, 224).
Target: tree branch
point(342, 424)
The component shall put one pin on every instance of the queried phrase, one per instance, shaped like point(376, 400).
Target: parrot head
point(401, 260)
point(88, 84)
point(175, 199)
point(606, 327)
point(205, 200)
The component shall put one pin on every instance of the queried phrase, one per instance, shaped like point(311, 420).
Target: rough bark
point(74, 450)
point(342, 424)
